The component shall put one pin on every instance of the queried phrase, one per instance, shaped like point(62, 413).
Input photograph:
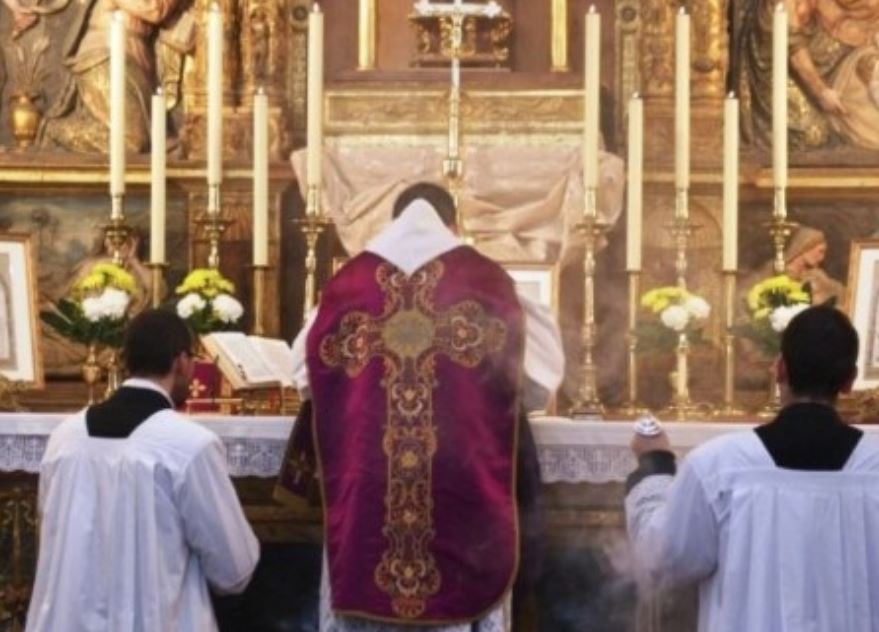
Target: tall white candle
point(591, 91)
point(260, 178)
point(117, 107)
point(682, 100)
point(315, 95)
point(730, 183)
point(779, 96)
point(215, 95)
point(635, 185)
point(157, 179)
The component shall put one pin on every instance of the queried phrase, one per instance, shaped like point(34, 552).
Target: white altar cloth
point(569, 451)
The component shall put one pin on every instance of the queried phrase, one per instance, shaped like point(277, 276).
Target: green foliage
point(68, 319)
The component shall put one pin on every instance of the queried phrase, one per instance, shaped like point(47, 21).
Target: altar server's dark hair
point(153, 339)
point(435, 195)
point(820, 351)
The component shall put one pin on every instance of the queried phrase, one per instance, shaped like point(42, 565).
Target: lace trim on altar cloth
point(261, 457)
point(246, 456)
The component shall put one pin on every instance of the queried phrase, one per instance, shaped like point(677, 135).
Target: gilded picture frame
point(862, 306)
point(20, 354)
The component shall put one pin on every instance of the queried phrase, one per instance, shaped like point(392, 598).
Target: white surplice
point(133, 529)
point(412, 240)
point(773, 550)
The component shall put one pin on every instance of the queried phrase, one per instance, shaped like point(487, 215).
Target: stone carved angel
point(833, 92)
point(79, 119)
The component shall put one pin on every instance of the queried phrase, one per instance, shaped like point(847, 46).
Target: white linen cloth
point(418, 236)
point(521, 196)
point(133, 529)
point(774, 550)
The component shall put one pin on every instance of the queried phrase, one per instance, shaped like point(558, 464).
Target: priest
point(413, 367)
point(137, 511)
point(777, 525)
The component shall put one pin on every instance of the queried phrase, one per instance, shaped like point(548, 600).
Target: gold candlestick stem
point(259, 297)
point(588, 405)
point(157, 282)
point(631, 407)
point(117, 231)
point(312, 226)
point(681, 406)
point(214, 226)
point(729, 408)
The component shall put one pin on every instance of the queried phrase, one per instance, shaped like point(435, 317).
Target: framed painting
point(862, 305)
point(20, 358)
point(537, 281)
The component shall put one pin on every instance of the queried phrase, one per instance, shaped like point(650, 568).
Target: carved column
point(657, 48)
point(628, 37)
point(297, 67)
point(710, 50)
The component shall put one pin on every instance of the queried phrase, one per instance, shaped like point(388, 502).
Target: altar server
point(414, 364)
point(778, 525)
point(137, 511)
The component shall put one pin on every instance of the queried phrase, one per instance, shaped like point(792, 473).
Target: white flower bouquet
point(97, 309)
point(671, 311)
point(207, 302)
point(772, 303)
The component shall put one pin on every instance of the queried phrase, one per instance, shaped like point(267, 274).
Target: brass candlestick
point(259, 292)
point(213, 225)
point(157, 281)
point(681, 406)
point(588, 405)
point(312, 226)
point(729, 408)
point(117, 231)
point(631, 407)
point(780, 230)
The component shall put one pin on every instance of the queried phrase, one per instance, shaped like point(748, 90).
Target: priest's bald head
point(819, 354)
point(158, 347)
point(438, 197)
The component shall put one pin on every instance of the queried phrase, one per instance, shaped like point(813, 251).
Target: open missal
point(250, 362)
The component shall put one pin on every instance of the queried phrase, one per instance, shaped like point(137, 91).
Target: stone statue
point(79, 119)
point(22, 17)
point(833, 93)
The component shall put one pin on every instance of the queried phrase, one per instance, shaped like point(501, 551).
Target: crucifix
point(455, 13)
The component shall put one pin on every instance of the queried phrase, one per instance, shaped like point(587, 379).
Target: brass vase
point(91, 371)
point(25, 119)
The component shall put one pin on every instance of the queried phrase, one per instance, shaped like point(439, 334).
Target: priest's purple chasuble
point(415, 382)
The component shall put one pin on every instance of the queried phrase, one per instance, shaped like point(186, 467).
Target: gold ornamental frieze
point(426, 111)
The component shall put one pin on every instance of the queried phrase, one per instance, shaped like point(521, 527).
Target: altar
point(586, 583)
